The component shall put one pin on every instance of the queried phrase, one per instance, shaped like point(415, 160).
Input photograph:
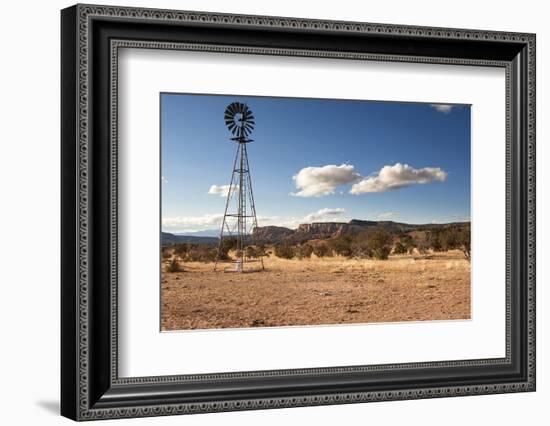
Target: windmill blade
point(242, 126)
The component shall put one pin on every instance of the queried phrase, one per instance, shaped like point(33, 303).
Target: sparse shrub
point(181, 250)
point(399, 248)
point(342, 245)
point(255, 251)
point(222, 252)
point(380, 244)
point(423, 246)
point(463, 241)
point(174, 266)
point(284, 251)
point(229, 244)
point(450, 238)
point(322, 250)
point(361, 248)
point(166, 253)
point(435, 240)
point(304, 251)
point(408, 242)
point(263, 250)
point(201, 253)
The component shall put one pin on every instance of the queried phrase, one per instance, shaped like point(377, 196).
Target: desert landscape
point(359, 211)
point(421, 274)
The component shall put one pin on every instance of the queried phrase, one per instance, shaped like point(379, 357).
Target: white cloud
point(321, 181)
point(287, 222)
point(324, 214)
point(396, 177)
point(388, 215)
point(221, 190)
point(192, 223)
point(207, 222)
point(444, 108)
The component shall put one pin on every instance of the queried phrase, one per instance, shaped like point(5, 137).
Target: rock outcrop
point(325, 230)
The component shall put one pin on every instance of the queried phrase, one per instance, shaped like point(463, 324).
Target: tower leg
point(241, 177)
point(229, 194)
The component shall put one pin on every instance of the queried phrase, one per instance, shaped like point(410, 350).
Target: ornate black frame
point(91, 37)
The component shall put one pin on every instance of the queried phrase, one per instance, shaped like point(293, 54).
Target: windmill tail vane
point(239, 219)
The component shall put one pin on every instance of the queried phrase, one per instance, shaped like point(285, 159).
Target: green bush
point(304, 251)
point(455, 237)
point(408, 242)
point(360, 248)
point(322, 250)
point(254, 252)
point(380, 244)
point(284, 251)
point(201, 253)
point(342, 245)
point(463, 241)
point(399, 248)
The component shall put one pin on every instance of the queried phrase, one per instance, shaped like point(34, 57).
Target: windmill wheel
point(239, 119)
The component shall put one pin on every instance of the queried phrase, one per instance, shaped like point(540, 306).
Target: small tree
point(201, 253)
point(284, 251)
point(304, 251)
point(434, 239)
point(166, 253)
point(322, 250)
point(423, 246)
point(342, 245)
point(255, 251)
point(463, 241)
point(181, 250)
point(399, 248)
point(174, 266)
point(408, 242)
point(361, 248)
point(380, 244)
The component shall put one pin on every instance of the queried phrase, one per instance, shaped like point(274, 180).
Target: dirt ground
point(318, 291)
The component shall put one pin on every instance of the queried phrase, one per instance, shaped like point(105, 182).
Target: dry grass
point(318, 291)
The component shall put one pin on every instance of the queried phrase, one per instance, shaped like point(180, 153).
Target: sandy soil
point(318, 291)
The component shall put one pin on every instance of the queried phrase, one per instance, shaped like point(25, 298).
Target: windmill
point(239, 219)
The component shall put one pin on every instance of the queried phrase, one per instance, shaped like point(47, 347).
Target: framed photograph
point(263, 212)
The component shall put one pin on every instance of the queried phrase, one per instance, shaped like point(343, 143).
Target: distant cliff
point(272, 233)
point(324, 230)
point(310, 231)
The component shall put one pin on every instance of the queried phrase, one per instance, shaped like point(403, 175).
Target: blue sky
point(317, 160)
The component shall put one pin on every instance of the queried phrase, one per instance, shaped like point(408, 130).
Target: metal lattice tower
point(239, 219)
